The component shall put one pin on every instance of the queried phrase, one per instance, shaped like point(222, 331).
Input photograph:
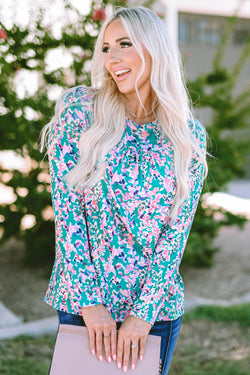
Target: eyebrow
point(119, 39)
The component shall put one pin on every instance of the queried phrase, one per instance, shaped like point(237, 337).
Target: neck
point(140, 113)
point(146, 114)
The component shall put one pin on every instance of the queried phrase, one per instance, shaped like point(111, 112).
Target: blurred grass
point(210, 367)
point(26, 355)
point(31, 356)
point(239, 314)
point(196, 360)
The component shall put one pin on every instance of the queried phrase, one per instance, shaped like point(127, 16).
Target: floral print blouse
point(113, 243)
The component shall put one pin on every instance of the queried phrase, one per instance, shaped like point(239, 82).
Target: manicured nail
point(119, 365)
point(109, 359)
point(133, 366)
point(125, 369)
point(141, 357)
point(101, 358)
point(93, 352)
point(114, 357)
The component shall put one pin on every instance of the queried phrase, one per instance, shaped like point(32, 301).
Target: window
point(241, 35)
point(184, 31)
point(209, 31)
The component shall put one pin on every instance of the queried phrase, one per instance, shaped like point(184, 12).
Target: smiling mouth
point(118, 73)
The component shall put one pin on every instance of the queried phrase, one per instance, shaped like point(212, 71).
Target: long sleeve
point(72, 246)
point(164, 265)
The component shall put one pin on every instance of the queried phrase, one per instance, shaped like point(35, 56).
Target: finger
point(98, 340)
point(126, 353)
point(142, 345)
point(92, 341)
point(119, 351)
point(107, 345)
point(113, 343)
point(134, 355)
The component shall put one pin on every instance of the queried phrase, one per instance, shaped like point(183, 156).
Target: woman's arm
point(170, 247)
point(71, 233)
point(70, 223)
point(164, 265)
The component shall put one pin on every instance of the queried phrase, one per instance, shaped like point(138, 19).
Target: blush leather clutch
point(72, 355)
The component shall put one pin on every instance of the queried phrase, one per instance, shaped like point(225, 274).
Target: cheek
point(135, 59)
point(147, 66)
point(108, 72)
point(106, 64)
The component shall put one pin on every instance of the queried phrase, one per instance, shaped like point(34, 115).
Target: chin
point(126, 91)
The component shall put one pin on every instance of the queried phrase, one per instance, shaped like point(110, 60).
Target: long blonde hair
point(173, 111)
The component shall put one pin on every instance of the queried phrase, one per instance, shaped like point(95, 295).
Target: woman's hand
point(102, 331)
point(132, 337)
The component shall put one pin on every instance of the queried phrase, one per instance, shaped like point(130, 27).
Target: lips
point(120, 72)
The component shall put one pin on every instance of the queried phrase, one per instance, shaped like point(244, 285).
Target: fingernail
point(141, 357)
point(101, 358)
point(114, 357)
point(93, 352)
point(125, 369)
point(109, 359)
point(119, 365)
point(133, 366)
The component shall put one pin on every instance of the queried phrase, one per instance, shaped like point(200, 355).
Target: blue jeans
point(168, 331)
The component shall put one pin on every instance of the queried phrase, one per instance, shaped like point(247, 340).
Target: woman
point(127, 163)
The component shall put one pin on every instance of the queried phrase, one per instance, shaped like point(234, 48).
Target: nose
point(114, 55)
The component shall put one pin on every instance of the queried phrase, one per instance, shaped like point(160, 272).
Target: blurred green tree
point(27, 50)
point(228, 143)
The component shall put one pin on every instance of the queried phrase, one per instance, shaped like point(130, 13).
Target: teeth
point(119, 72)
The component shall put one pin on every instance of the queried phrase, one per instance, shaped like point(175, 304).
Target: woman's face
point(124, 63)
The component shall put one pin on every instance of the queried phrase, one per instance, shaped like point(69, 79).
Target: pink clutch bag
point(72, 355)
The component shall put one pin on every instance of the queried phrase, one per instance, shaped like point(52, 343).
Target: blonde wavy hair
point(172, 104)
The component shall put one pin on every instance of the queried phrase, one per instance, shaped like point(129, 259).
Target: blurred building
point(198, 27)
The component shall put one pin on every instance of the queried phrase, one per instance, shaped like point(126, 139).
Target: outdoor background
point(46, 47)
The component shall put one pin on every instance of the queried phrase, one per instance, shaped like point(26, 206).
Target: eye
point(105, 49)
point(126, 44)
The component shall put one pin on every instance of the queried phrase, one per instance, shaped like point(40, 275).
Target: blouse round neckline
point(154, 122)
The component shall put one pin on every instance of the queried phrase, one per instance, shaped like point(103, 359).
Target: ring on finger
point(106, 337)
point(134, 346)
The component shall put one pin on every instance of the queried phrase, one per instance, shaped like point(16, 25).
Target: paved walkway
point(12, 326)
